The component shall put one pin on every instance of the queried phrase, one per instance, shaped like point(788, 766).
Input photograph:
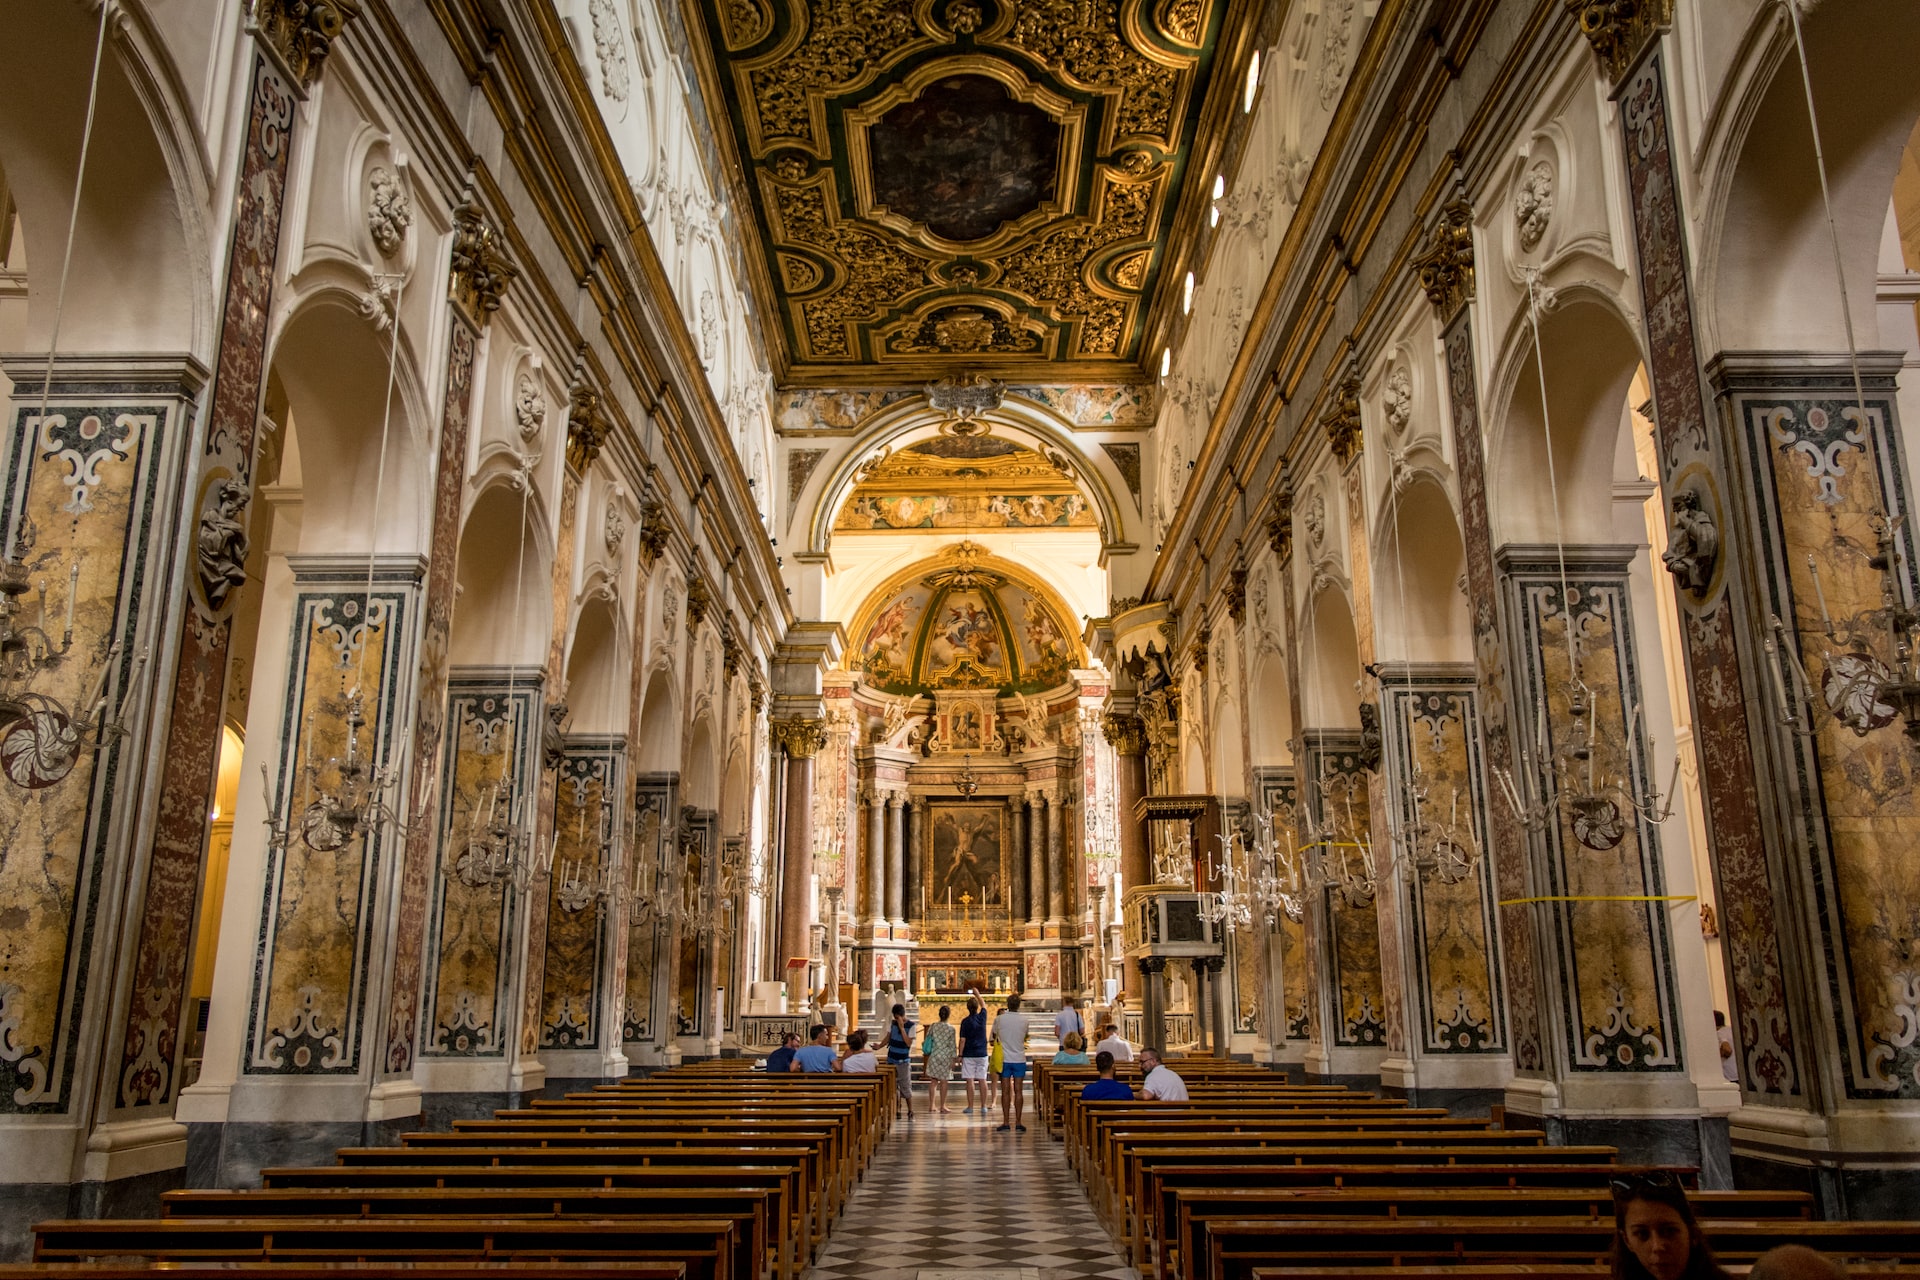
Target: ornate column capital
point(1151, 965)
point(1126, 733)
point(1446, 266)
point(301, 32)
point(1341, 421)
point(699, 601)
point(1619, 30)
point(800, 737)
point(481, 271)
point(586, 427)
point(1280, 521)
point(1236, 592)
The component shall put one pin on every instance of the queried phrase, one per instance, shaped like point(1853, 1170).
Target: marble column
point(916, 853)
point(1056, 864)
point(1153, 1003)
point(1037, 861)
point(1222, 991)
point(896, 895)
point(801, 738)
point(876, 887)
point(1017, 857)
point(1128, 737)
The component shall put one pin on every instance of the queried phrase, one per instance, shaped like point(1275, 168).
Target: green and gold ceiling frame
point(997, 183)
point(1017, 420)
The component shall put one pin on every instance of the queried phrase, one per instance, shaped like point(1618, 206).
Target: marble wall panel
point(80, 519)
point(1433, 734)
point(1341, 799)
point(656, 796)
point(320, 912)
point(1823, 474)
point(1601, 870)
point(577, 927)
point(488, 764)
point(1279, 795)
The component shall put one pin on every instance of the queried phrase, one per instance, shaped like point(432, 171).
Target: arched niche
point(699, 780)
point(1590, 355)
point(1194, 766)
point(1270, 711)
point(137, 280)
point(595, 671)
point(344, 396)
point(658, 733)
point(1770, 272)
point(1419, 572)
point(1229, 758)
point(502, 616)
point(1017, 420)
point(1330, 662)
point(736, 794)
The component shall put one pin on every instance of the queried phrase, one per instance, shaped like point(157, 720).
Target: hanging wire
point(380, 479)
point(1553, 475)
point(73, 230)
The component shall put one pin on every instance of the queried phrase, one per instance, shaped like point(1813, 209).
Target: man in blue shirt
point(817, 1058)
point(973, 1052)
point(1106, 1088)
point(781, 1059)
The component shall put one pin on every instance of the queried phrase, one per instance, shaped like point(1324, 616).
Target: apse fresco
point(993, 634)
point(866, 511)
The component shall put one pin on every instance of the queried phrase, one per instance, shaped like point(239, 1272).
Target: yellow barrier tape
point(1613, 897)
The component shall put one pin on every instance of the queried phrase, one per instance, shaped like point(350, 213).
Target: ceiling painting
point(963, 626)
point(988, 183)
point(965, 483)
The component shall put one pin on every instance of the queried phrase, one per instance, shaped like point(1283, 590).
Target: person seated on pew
point(781, 1059)
point(1656, 1236)
point(1111, 1042)
point(1106, 1088)
point(1796, 1262)
point(1073, 1051)
point(1162, 1085)
point(817, 1058)
point(860, 1060)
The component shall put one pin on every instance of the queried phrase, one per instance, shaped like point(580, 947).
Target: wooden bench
point(575, 1269)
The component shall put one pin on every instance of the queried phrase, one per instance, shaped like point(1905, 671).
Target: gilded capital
point(1341, 421)
point(1446, 268)
point(801, 737)
point(1280, 524)
point(1619, 30)
point(699, 601)
point(1236, 592)
point(301, 32)
point(586, 428)
point(1126, 733)
point(481, 271)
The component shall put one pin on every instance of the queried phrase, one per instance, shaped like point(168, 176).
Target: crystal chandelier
point(655, 898)
point(358, 802)
point(497, 850)
point(41, 738)
point(584, 881)
point(1339, 849)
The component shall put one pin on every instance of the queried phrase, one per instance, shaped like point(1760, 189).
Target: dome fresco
point(961, 626)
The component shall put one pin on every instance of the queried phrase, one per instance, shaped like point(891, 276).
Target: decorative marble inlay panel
point(576, 932)
point(80, 517)
point(321, 909)
point(1279, 796)
point(1433, 728)
point(692, 984)
point(1613, 958)
point(656, 799)
point(490, 762)
point(1352, 929)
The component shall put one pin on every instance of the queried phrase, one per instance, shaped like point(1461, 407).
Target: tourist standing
point(900, 1057)
point(1161, 1084)
point(941, 1046)
point(1010, 1029)
point(973, 1053)
point(1067, 1022)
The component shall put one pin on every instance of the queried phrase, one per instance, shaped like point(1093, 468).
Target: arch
point(658, 732)
point(1769, 277)
point(699, 784)
point(594, 670)
point(501, 617)
point(1330, 666)
point(1229, 760)
point(1194, 766)
point(333, 366)
point(735, 794)
point(1591, 354)
point(1419, 569)
point(1017, 419)
point(138, 279)
point(1270, 712)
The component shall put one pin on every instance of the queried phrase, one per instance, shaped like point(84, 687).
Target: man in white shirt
point(1161, 1085)
point(1112, 1042)
point(1010, 1029)
point(1067, 1021)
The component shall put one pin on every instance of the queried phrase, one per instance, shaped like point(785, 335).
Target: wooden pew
point(574, 1269)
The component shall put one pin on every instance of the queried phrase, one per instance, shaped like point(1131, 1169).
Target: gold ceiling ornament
point(480, 270)
point(1619, 30)
point(963, 398)
point(301, 32)
point(1280, 521)
point(894, 245)
point(966, 571)
point(586, 426)
point(1341, 421)
point(699, 601)
point(1446, 267)
point(801, 737)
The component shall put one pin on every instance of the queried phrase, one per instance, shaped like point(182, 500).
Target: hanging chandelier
point(497, 850)
point(359, 801)
point(584, 881)
point(966, 784)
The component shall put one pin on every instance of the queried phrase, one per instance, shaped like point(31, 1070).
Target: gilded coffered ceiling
point(992, 184)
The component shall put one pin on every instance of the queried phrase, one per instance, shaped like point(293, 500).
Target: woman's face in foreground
point(1659, 1238)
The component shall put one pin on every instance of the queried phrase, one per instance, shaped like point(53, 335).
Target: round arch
point(1419, 561)
point(1017, 419)
point(499, 618)
point(659, 728)
point(594, 670)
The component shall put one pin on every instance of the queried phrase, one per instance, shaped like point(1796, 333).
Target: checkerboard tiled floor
point(948, 1195)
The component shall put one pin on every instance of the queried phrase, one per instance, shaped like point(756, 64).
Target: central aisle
point(947, 1193)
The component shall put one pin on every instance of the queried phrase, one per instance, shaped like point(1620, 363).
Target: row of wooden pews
point(1258, 1178)
point(708, 1172)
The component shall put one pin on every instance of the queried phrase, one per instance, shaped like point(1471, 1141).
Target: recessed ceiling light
point(1253, 82)
point(1186, 299)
